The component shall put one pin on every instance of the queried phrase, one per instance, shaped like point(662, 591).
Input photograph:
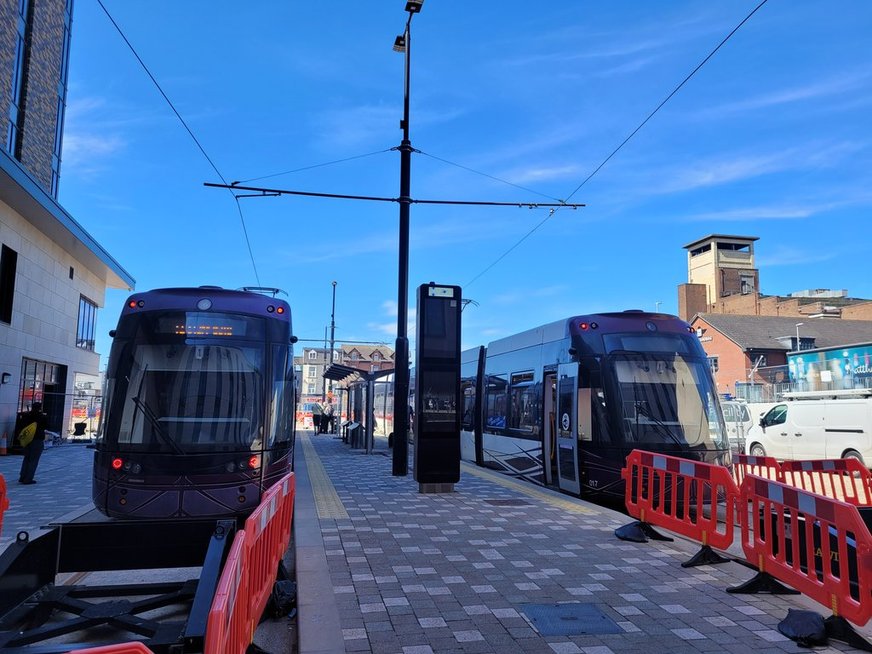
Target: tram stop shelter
point(360, 406)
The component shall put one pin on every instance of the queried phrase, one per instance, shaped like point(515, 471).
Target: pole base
point(435, 488)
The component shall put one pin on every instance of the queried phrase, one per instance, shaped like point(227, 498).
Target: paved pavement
point(384, 569)
point(63, 485)
point(477, 570)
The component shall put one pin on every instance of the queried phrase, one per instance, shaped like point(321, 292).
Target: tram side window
point(495, 402)
point(522, 415)
point(591, 377)
point(467, 390)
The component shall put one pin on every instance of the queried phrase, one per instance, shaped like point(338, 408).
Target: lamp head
point(400, 44)
point(414, 6)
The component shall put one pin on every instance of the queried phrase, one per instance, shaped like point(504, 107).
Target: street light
point(332, 330)
point(400, 461)
point(798, 325)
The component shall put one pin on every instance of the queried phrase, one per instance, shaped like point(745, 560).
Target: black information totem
point(437, 385)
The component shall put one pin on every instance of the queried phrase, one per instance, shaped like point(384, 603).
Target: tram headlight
point(136, 469)
point(230, 467)
point(254, 462)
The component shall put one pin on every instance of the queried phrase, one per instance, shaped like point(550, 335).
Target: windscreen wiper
point(661, 426)
point(158, 428)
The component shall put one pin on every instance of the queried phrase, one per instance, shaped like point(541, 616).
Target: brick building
point(722, 278)
point(53, 274)
point(312, 363)
point(750, 352)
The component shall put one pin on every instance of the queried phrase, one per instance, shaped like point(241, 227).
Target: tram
point(199, 404)
point(564, 404)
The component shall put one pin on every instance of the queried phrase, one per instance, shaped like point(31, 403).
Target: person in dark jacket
point(33, 450)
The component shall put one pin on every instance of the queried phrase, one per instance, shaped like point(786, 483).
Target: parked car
point(739, 422)
point(810, 428)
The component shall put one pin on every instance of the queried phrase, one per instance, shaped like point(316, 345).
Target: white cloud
point(85, 150)
point(789, 256)
point(723, 170)
point(819, 89)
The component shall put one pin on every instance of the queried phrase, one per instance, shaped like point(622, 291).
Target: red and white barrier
point(229, 629)
point(842, 479)
point(682, 496)
point(4, 500)
point(761, 466)
point(818, 545)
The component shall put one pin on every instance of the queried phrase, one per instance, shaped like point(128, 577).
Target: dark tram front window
point(668, 399)
point(180, 385)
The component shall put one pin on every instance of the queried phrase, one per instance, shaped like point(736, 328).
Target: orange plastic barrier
point(681, 495)
point(762, 466)
point(4, 500)
point(121, 648)
point(818, 545)
point(268, 531)
point(229, 629)
point(842, 479)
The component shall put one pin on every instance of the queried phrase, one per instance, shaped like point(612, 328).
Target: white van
point(810, 428)
point(738, 421)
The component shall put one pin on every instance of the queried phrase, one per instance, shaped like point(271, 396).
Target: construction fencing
point(803, 523)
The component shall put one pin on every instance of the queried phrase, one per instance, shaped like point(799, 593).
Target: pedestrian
point(317, 412)
point(33, 450)
point(327, 419)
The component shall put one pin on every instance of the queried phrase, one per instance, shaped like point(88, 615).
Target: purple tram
point(564, 404)
point(198, 411)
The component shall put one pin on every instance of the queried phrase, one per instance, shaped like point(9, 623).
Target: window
point(522, 401)
point(8, 266)
point(776, 416)
point(376, 356)
point(87, 324)
point(310, 389)
point(495, 402)
point(23, 39)
point(313, 355)
point(747, 284)
point(698, 251)
point(62, 99)
point(311, 371)
point(713, 364)
point(355, 356)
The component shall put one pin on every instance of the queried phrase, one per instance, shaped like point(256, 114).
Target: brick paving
point(415, 574)
point(63, 485)
point(421, 574)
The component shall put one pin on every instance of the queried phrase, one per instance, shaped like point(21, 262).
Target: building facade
point(750, 355)
point(53, 274)
point(722, 278)
point(312, 363)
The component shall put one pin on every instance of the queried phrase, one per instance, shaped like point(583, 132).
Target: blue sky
point(771, 138)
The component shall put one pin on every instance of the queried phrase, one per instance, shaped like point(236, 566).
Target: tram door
point(567, 425)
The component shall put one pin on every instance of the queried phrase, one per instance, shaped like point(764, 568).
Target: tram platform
point(497, 566)
point(501, 565)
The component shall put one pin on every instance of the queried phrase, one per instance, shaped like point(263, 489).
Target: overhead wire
point(626, 140)
point(187, 128)
point(320, 165)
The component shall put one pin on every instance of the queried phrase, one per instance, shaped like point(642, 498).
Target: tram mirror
point(294, 339)
point(111, 333)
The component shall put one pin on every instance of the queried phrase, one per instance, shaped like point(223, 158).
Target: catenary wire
point(320, 165)
point(478, 172)
point(187, 128)
point(625, 141)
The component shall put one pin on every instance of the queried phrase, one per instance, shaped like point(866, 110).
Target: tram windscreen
point(186, 391)
point(667, 399)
